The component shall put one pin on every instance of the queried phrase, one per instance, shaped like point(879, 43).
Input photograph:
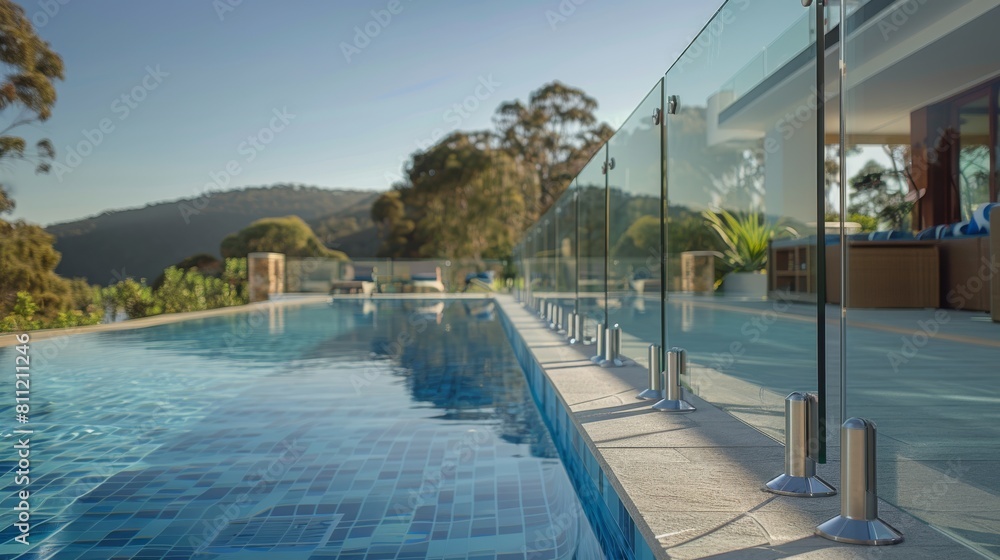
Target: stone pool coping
point(691, 482)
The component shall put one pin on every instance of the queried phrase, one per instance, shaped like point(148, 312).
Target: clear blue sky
point(218, 79)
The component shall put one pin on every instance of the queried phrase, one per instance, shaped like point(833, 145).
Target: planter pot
point(745, 284)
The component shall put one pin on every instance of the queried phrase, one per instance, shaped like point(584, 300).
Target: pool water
point(357, 429)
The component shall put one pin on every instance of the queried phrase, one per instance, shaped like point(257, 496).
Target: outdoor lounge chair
point(425, 277)
point(357, 281)
point(479, 281)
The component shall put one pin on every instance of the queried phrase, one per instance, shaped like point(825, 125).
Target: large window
point(974, 114)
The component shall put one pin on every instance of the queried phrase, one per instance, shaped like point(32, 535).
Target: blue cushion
point(980, 223)
point(486, 276)
point(929, 233)
point(887, 235)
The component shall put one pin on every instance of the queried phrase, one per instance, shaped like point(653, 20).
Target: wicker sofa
point(953, 272)
point(887, 274)
point(965, 248)
point(962, 283)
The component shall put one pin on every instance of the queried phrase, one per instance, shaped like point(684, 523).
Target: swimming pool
point(358, 429)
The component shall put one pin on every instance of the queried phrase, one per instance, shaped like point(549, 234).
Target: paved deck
point(926, 376)
point(692, 481)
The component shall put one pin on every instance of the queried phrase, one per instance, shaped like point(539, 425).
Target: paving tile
point(694, 480)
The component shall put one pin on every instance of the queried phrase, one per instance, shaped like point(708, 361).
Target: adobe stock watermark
point(458, 454)
point(924, 497)
point(122, 107)
point(246, 324)
point(454, 115)
point(899, 17)
point(564, 527)
point(416, 323)
point(121, 456)
point(564, 10)
point(249, 149)
point(224, 7)
point(754, 329)
point(459, 112)
point(958, 297)
point(48, 10)
point(365, 33)
point(261, 479)
point(793, 121)
point(709, 37)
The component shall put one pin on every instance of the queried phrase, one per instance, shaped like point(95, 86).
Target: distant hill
point(141, 242)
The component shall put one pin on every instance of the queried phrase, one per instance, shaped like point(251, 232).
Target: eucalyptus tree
point(27, 91)
point(27, 95)
point(555, 133)
point(461, 198)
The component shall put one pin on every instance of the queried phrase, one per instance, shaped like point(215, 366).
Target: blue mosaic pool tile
point(614, 526)
point(249, 455)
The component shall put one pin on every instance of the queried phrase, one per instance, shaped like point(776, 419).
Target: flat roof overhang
point(940, 50)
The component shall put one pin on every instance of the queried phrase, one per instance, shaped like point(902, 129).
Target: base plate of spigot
point(674, 406)
point(801, 486)
point(650, 394)
point(617, 362)
point(859, 531)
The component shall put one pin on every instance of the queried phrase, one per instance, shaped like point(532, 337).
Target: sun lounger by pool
point(425, 277)
point(360, 281)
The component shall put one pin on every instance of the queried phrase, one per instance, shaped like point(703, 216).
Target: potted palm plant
point(746, 237)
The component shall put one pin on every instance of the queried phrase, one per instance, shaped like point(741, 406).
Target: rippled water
point(359, 429)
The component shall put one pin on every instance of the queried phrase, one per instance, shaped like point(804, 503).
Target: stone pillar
point(698, 271)
point(266, 274)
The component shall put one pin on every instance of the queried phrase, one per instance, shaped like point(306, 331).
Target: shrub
point(189, 290)
point(135, 298)
point(22, 315)
point(746, 238)
point(288, 235)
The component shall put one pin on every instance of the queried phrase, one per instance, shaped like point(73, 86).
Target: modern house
point(867, 276)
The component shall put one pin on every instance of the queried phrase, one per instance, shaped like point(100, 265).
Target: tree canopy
point(880, 192)
point(555, 134)
point(27, 258)
point(463, 198)
point(473, 193)
point(289, 235)
point(27, 264)
point(30, 69)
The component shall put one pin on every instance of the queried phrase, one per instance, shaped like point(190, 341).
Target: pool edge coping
point(801, 514)
point(649, 536)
